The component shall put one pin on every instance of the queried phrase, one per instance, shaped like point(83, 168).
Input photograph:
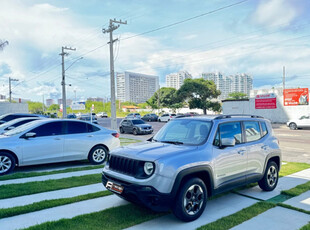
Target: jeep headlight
point(148, 168)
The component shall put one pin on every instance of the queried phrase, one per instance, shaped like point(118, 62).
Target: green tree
point(35, 107)
point(167, 97)
point(237, 96)
point(199, 93)
point(54, 107)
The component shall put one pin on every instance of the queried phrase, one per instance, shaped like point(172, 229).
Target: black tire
point(135, 132)
point(271, 177)
point(7, 162)
point(188, 212)
point(97, 155)
point(159, 120)
point(121, 130)
point(149, 120)
point(293, 126)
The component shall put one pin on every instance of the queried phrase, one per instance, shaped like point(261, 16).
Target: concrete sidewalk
point(277, 218)
point(215, 209)
point(57, 213)
point(63, 193)
point(51, 177)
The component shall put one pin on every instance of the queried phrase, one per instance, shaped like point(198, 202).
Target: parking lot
point(295, 144)
point(70, 194)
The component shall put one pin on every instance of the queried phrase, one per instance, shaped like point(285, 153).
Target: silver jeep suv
point(191, 159)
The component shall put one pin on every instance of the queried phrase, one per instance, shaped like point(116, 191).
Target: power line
point(186, 20)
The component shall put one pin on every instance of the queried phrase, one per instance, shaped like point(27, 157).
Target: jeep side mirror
point(228, 142)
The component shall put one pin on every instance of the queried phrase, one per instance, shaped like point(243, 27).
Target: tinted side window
point(9, 118)
point(92, 128)
point(77, 127)
point(216, 141)
point(231, 130)
point(49, 129)
point(264, 128)
point(252, 131)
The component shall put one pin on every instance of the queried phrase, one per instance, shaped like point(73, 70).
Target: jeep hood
point(152, 150)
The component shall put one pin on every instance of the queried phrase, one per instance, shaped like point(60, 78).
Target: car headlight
point(148, 168)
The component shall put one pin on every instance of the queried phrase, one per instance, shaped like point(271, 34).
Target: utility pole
point(110, 30)
point(43, 103)
point(283, 80)
point(10, 90)
point(63, 82)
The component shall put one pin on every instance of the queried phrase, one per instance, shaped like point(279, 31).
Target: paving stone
point(215, 209)
point(51, 177)
point(57, 213)
point(302, 201)
point(277, 218)
point(63, 193)
point(284, 183)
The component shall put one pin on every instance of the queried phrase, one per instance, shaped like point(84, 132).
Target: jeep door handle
point(57, 139)
point(90, 135)
point(241, 152)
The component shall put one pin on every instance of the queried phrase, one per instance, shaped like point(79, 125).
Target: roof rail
point(236, 115)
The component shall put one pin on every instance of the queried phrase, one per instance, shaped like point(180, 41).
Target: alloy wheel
point(193, 199)
point(5, 164)
point(272, 176)
point(99, 155)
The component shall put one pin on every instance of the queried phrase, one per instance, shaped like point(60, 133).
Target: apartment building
point(175, 80)
point(135, 87)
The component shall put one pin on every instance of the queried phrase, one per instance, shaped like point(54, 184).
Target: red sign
point(293, 97)
point(266, 103)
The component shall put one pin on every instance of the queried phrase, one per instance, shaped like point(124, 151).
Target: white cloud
point(275, 12)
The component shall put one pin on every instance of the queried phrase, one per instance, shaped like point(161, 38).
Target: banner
point(266, 101)
point(293, 97)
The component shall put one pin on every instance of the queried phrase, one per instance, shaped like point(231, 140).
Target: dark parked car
point(87, 117)
point(135, 126)
point(71, 116)
point(150, 117)
point(11, 116)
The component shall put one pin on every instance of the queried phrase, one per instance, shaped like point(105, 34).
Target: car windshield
point(138, 122)
point(184, 131)
point(20, 129)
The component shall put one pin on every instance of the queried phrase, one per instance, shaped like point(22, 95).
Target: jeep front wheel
point(191, 200)
point(270, 179)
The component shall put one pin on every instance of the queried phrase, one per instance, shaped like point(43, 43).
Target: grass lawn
point(237, 218)
point(292, 167)
point(37, 206)
point(14, 190)
point(112, 218)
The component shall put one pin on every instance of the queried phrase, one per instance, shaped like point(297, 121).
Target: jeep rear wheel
point(191, 200)
point(271, 176)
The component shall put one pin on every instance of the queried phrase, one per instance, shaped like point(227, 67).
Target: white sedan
point(50, 141)
point(302, 122)
point(166, 117)
point(15, 123)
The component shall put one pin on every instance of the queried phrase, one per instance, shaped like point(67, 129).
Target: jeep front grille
point(124, 165)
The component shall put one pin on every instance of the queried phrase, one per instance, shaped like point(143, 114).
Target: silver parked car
point(15, 123)
point(191, 159)
point(50, 141)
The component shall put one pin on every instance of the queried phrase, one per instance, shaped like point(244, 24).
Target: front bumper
point(145, 131)
point(147, 196)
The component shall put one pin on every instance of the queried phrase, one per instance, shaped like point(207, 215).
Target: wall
point(6, 107)
point(281, 114)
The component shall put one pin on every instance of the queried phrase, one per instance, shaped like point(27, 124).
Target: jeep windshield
point(184, 131)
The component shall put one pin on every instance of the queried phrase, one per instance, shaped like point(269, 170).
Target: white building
point(228, 84)
point(175, 80)
point(49, 102)
point(135, 87)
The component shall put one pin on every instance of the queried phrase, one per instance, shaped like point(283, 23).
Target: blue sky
point(257, 37)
